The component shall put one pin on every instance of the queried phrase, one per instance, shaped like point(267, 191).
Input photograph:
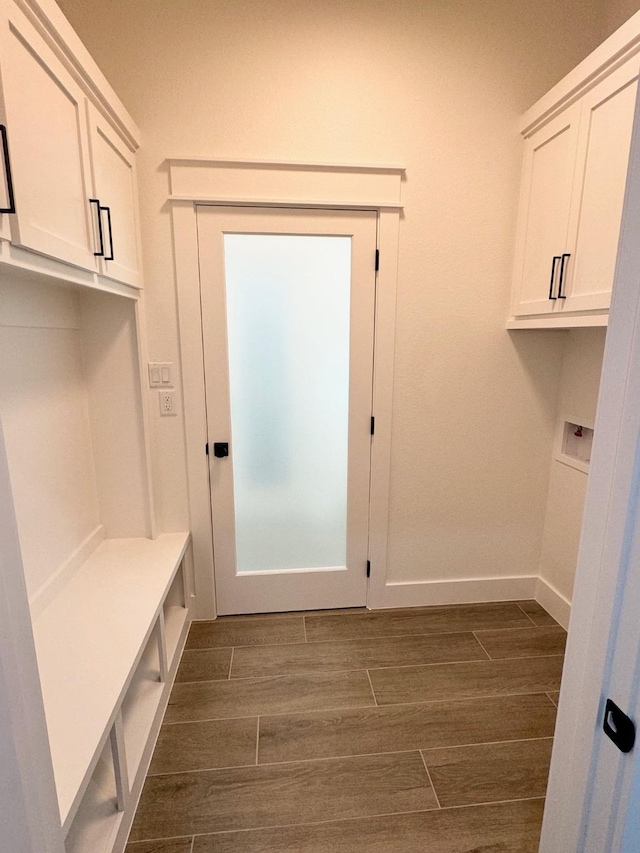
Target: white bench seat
point(89, 640)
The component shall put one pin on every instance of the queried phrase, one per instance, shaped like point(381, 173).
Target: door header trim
point(272, 184)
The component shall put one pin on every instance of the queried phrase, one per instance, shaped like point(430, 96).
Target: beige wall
point(437, 86)
point(581, 370)
point(616, 12)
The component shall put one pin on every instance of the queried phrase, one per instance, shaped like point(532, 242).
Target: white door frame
point(296, 185)
point(584, 764)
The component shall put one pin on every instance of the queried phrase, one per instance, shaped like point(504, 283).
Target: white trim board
point(63, 574)
point(475, 590)
point(554, 602)
point(264, 184)
point(465, 591)
point(269, 184)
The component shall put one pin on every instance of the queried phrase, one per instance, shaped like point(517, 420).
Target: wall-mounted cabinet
point(71, 167)
point(576, 152)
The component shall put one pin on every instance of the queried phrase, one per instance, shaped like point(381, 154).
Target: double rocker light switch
point(160, 374)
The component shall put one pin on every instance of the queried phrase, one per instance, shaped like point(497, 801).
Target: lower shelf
point(174, 619)
point(140, 706)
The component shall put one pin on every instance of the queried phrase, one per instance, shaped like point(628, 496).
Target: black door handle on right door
point(565, 258)
point(107, 210)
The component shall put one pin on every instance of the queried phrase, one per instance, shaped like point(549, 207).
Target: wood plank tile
point(432, 620)
point(537, 613)
point(355, 654)
point(204, 665)
point(461, 680)
point(489, 773)
point(555, 697)
point(523, 642)
point(243, 798)
point(501, 828)
point(294, 737)
point(282, 694)
point(206, 745)
point(167, 845)
point(245, 632)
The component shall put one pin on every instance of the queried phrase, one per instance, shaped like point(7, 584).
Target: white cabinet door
point(47, 129)
point(545, 206)
point(601, 177)
point(114, 179)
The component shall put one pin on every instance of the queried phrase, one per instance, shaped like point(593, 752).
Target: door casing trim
point(296, 185)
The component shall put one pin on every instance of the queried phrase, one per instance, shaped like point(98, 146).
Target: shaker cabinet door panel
point(115, 186)
point(545, 210)
point(46, 124)
point(603, 161)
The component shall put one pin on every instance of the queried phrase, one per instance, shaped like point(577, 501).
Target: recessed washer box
point(574, 444)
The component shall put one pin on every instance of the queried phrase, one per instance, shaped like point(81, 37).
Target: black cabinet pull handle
point(565, 258)
point(99, 254)
point(7, 171)
point(556, 258)
point(108, 212)
point(220, 449)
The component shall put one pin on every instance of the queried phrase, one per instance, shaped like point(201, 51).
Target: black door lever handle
point(619, 727)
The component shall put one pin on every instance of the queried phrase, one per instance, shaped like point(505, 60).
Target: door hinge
point(377, 259)
point(368, 568)
point(373, 425)
point(206, 448)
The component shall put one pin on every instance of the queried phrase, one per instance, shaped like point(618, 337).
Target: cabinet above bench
point(68, 189)
point(577, 140)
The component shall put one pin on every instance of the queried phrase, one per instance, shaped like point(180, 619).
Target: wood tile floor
point(426, 730)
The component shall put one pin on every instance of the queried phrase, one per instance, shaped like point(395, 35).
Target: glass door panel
point(288, 318)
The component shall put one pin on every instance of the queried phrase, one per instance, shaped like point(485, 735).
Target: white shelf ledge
point(560, 321)
point(89, 640)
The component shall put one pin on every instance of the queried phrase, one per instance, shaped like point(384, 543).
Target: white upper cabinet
point(69, 156)
point(45, 119)
point(550, 156)
point(115, 188)
point(601, 177)
point(577, 143)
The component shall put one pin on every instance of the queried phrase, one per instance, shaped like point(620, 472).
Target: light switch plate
point(160, 374)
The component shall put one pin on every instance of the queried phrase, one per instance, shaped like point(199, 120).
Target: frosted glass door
point(288, 301)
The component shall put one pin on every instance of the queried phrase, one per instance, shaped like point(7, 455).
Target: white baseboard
point(468, 591)
point(553, 602)
point(65, 572)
